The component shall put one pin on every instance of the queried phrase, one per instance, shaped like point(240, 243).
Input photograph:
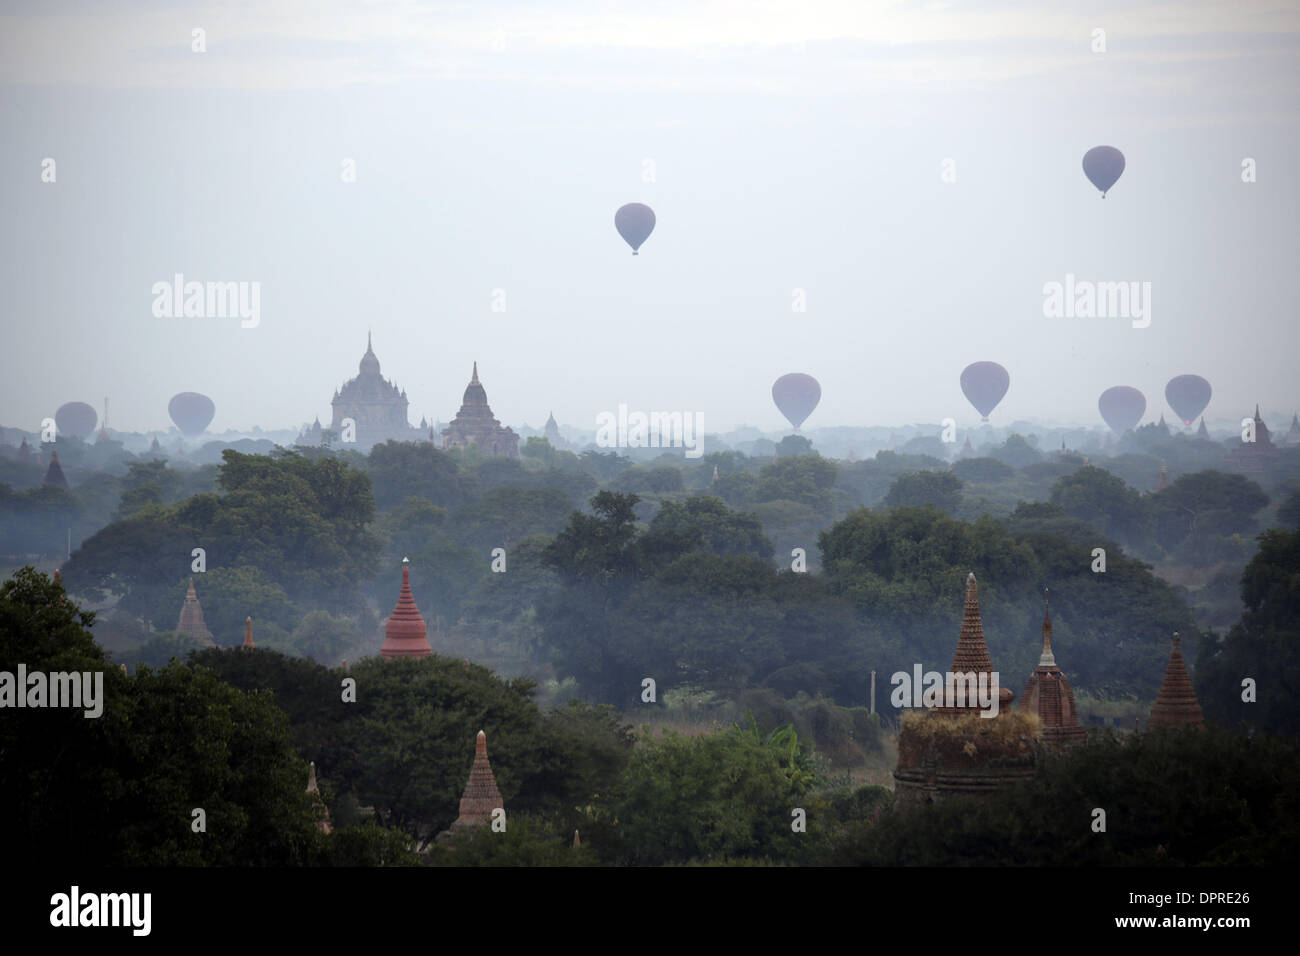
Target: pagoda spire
point(474, 378)
point(1176, 704)
point(405, 634)
point(1049, 695)
point(1048, 659)
point(322, 812)
point(972, 652)
point(248, 634)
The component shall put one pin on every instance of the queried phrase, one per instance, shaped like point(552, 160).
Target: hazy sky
point(793, 145)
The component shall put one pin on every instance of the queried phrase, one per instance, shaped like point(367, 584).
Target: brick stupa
point(948, 752)
point(405, 634)
point(191, 620)
point(1049, 695)
point(248, 644)
point(1176, 704)
point(54, 474)
point(481, 795)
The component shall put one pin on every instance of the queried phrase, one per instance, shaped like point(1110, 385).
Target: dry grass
point(1007, 725)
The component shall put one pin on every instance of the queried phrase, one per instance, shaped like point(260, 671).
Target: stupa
point(954, 751)
point(1176, 704)
point(405, 634)
point(1049, 695)
point(191, 620)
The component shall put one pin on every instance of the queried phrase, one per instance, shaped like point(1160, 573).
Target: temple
point(405, 634)
point(1049, 695)
point(1253, 457)
point(1293, 434)
point(1162, 479)
point(376, 405)
point(953, 751)
point(54, 474)
point(1203, 433)
point(1176, 704)
point(191, 620)
point(248, 644)
point(474, 424)
point(318, 803)
point(481, 795)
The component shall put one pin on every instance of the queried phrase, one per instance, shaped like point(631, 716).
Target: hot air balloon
point(634, 223)
point(191, 412)
point(1188, 395)
point(1122, 407)
point(984, 384)
point(1103, 166)
point(75, 419)
point(796, 395)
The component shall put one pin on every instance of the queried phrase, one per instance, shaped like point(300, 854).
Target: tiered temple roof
point(191, 620)
point(375, 404)
point(475, 424)
point(1176, 704)
point(1049, 695)
point(405, 634)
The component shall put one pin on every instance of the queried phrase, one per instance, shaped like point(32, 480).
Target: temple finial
point(474, 379)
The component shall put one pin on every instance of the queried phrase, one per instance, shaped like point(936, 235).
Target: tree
point(1263, 646)
point(721, 530)
point(718, 796)
point(936, 489)
point(402, 470)
point(1204, 504)
point(1104, 501)
point(118, 789)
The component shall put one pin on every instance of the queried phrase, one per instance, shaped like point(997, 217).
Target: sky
point(792, 152)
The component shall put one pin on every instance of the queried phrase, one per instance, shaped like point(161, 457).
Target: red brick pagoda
point(1049, 695)
point(405, 634)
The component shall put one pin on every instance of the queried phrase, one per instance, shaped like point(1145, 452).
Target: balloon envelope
point(75, 419)
point(1188, 395)
point(634, 223)
point(1103, 165)
point(191, 412)
point(984, 384)
point(1122, 407)
point(796, 395)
